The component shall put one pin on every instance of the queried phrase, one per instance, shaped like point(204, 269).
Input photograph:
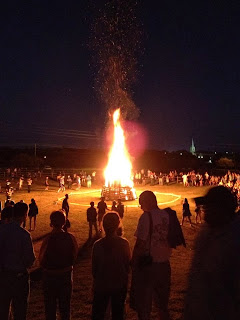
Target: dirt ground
point(79, 200)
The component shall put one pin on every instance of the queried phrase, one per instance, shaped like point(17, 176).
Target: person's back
point(6, 215)
point(18, 241)
point(120, 209)
point(92, 219)
point(214, 289)
point(185, 207)
point(111, 263)
point(16, 256)
point(151, 277)
point(101, 207)
point(33, 209)
point(91, 214)
point(160, 249)
point(57, 255)
point(114, 206)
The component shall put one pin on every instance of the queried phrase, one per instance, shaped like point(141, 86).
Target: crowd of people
point(16, 179)
point(158, 231)
point(191, 178)
point(75, 181)
point(110, 258)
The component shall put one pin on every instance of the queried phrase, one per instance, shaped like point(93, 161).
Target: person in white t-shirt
point(152, 280)
point(185, 180)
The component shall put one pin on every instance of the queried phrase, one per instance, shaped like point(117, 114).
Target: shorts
point(100, 216)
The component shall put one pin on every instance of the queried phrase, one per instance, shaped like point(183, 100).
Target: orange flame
point(119, 168)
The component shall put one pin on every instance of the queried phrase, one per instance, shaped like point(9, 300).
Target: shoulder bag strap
point(150, 230)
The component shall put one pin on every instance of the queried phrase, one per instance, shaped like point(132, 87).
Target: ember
point(118, 173)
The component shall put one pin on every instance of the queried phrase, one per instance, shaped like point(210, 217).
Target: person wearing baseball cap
point(214, 286)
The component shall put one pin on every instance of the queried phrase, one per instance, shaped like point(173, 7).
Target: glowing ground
point(83, 198)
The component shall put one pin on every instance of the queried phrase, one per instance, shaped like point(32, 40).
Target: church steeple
point(192, 148)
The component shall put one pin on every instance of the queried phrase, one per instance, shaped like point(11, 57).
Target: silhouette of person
point(152, 280)
point(92, 219)
point(114, 206)
point(110, 266)
point(214, 286)
point(57, 255)
point(186, 212)
point(32, 214)
point(102, 207)
point(65, 205)
point(16, 257)
point(120, 208)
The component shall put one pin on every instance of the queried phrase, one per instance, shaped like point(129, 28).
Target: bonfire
point(118, 173)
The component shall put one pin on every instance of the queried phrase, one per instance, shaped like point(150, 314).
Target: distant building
point(193, 149)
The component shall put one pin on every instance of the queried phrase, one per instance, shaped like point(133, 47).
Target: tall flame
point(119, 168)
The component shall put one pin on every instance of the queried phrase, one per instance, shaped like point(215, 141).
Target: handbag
point(146, 259)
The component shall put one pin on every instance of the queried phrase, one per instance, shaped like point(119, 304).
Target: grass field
point(48, 201)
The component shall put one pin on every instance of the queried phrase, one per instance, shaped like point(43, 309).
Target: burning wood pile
point(118, 173)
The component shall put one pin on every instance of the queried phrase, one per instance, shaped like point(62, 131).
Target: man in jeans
point(152, 280)
point(16, 255)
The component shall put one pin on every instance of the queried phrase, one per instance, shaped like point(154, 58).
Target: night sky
point(187, 84)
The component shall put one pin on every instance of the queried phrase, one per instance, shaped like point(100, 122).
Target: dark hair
point(148, 196)
point(58, 218)
point(20, 209)
point(221, 197)
point(7, 213)
point(219, 206)
point(92, 203)
point(111, 221)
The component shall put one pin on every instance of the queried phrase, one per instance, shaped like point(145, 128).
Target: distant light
point(45, 157)
point(165, 152)
point(210, 161)
point(201, 157)
point(180, 153)
point(226, 152)
point(215, 152)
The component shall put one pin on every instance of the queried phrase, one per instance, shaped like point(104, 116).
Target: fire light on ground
point(118, 173)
